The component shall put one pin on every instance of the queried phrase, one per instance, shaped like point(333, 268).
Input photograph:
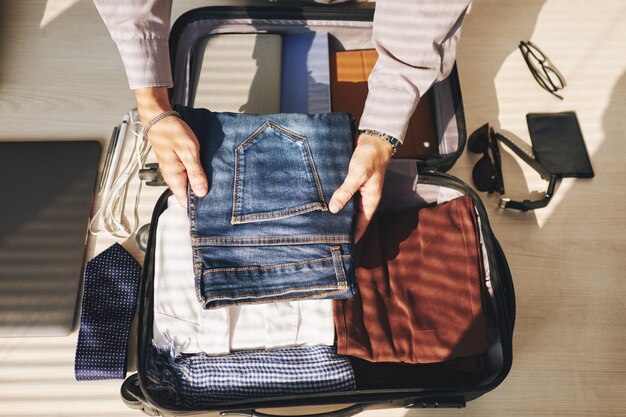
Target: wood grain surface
point(61, 78)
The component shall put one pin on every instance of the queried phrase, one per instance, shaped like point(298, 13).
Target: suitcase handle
point(344, 412)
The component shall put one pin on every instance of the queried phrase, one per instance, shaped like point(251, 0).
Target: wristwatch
point(395, 143)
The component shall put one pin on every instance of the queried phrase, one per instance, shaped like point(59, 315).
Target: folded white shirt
point(180, 319)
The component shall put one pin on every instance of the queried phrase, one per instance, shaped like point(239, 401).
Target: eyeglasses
point(487, 172)
point(542, 69)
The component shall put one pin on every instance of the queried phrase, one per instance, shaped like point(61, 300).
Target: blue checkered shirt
point(197, 381)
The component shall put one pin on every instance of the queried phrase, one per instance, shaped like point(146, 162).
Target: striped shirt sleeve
point(415, 39)
point(416, 43)
point(140, 29)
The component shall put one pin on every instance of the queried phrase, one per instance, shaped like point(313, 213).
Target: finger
point(360, 226)
point(197, 178)
point(345, 192)
point(366, 211)
point(370, 197)
point(177, 181)
point(181, 196)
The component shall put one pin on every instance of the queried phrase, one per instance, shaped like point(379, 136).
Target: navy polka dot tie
point(109, 301)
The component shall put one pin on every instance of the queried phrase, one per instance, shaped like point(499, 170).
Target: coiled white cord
point(110, 217)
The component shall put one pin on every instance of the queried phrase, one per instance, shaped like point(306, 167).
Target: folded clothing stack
point(267, 257)
point(264, 232)
point(419, 276)
point(181, 323)
point(255, 263)
point(183, 369)
point(418, 318)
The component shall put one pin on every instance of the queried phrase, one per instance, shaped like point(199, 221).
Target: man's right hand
point(174, 144)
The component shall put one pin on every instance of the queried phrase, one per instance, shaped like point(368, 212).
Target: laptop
point(47, 194)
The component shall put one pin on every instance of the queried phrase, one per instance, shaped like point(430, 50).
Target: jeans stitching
point(290, 289)
point(270, 240)
point(309, 156)
point(337, 258)
point(237, 170)
point(236, 182)
point(272, 267)
point(197, 262)
point(276, 214)
point(287, 132)
point(279, 214)
point(316, 178)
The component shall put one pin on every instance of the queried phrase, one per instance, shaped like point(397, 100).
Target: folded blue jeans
point(263, 232)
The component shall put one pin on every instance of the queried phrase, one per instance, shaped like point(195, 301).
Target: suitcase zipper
point(455, 402)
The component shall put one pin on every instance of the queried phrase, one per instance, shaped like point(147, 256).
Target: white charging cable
point(110, 217)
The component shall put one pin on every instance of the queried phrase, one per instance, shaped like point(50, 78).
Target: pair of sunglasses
point(487, 172)
point(544, 72)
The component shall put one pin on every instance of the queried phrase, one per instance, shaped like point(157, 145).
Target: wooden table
point(61, 78)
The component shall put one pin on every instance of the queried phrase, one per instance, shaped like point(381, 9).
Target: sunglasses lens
point(484, 175)
point(479, 140)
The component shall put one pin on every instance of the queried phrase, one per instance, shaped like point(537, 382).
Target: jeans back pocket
point(275, 176)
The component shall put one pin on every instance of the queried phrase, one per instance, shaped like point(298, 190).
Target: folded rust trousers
point(419, 276)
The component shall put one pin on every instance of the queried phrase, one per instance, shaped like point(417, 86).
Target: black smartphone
point(558, 144)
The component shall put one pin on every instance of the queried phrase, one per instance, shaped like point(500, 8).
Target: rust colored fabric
point(349, 71)
point(419, 298)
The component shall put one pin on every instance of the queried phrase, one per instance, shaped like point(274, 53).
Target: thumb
point(345, 192)
point(195, 173)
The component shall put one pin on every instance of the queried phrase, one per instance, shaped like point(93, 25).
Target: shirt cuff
point(388, 110)
point(147, 62)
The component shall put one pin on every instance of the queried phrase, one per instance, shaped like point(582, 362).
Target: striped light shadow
point(239, 73)
point(54, 9)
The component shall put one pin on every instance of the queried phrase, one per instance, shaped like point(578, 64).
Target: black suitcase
point(350, 28)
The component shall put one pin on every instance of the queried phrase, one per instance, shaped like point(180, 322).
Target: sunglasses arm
point(527, 205)
point(534, 164)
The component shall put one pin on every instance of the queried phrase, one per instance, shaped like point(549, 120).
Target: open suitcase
point(350, 28)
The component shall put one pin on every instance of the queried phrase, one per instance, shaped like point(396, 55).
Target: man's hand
point(366, 173)
point(174, 144)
